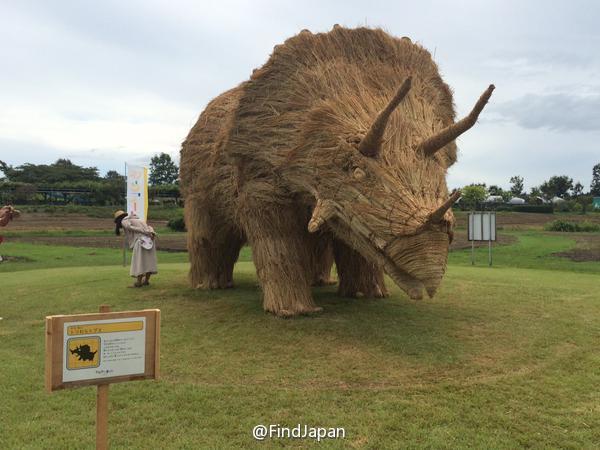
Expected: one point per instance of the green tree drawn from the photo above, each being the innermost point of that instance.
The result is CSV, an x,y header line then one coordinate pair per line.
x,y
534,195
557,186
535,192
495,190
577,189
113,175
63,170
473,195
595,186
516,186
163,170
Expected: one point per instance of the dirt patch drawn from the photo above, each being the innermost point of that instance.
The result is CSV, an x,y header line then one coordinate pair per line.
x,y
177,242
66,222
517,221
169,243
587,248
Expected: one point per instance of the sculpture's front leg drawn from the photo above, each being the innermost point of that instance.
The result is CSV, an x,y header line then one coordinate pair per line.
x,y
281,255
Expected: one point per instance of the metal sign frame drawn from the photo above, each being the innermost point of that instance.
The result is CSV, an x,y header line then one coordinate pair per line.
x,y
481,227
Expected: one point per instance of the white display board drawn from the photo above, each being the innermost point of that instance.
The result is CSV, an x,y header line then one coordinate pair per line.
x,y
482,226
104,348
137,191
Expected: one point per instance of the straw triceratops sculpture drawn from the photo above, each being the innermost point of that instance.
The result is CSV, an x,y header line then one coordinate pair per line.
x,y
341,141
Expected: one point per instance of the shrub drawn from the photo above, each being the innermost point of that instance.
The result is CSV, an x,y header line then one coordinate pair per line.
x,y
176,224
572,227
502,207
543,209
565,206
589,227
473,196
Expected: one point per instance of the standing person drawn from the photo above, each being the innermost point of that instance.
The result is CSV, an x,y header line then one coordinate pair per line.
x,y
141,238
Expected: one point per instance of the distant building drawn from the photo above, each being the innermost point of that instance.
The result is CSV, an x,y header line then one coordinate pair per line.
x,y
538,200
596,202
556,200
516,201
494,199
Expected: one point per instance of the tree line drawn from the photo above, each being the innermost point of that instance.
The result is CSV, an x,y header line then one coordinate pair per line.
x,y
66,182
561,186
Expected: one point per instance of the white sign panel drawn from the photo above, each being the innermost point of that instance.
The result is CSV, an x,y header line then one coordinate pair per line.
x,y
137,191
104,348
482,226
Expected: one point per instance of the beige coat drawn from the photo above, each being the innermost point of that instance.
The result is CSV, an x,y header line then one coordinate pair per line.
x,y
143,261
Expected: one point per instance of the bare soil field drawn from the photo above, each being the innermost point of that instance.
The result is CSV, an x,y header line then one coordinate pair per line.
x,y
517,221
587,248
66,222
170,243
77,222
177,242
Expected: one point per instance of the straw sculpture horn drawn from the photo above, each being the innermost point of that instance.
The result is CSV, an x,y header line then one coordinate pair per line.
x,y
335,150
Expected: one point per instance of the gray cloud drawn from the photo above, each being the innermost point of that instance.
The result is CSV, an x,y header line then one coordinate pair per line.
x,y
559,111
81,75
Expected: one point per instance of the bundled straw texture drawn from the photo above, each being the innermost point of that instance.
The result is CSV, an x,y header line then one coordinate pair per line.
x,y
319,157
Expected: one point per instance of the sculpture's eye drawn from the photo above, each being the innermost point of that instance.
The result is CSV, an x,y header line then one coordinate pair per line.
x,y
358,173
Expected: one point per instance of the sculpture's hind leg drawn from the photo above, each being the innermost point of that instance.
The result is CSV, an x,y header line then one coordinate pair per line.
x,y
321,254
213,245
280,249
357,275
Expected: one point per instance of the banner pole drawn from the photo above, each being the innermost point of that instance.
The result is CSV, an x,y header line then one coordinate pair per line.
x,y
490,239
124,235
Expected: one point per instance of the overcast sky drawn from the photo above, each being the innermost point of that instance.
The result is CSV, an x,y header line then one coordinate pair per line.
x,y
106,82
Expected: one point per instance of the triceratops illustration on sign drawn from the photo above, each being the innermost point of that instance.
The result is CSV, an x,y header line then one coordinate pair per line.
x,y
84,353
337,147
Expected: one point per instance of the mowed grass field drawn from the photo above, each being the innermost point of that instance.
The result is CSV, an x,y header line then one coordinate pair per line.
x,y
503,357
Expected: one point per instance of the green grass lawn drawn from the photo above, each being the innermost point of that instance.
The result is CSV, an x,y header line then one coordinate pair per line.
x,y
504,357
36,256
533,250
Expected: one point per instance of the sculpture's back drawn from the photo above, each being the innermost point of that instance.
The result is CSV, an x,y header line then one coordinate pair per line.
x,y
349,75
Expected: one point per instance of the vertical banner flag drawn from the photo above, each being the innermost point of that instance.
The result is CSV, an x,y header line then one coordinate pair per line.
x,y
137,191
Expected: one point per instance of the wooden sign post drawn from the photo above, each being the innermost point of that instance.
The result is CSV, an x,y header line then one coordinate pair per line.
x,y
102,407
99,349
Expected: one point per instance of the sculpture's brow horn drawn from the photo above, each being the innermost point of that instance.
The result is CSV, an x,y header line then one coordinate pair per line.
x,y
371,144
448,134
324,210
438,214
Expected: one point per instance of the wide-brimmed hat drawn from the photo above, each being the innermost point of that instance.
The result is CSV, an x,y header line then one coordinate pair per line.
x,y
118,213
